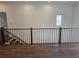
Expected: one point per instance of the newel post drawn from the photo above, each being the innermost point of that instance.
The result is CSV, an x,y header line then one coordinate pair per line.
x,y
31,30
60,30
2,36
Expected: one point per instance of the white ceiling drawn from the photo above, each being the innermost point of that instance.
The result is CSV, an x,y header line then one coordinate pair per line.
x,y
37,2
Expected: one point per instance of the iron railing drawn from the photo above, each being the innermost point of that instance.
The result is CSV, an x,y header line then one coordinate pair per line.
x,y
43,35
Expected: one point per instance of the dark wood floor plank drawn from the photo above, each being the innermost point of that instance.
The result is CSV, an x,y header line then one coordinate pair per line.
x,y
40,51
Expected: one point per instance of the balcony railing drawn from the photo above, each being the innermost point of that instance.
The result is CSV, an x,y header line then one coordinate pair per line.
x,y
40,35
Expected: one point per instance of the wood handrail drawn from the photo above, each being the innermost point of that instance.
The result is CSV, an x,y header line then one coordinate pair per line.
x,y
17,29
34,28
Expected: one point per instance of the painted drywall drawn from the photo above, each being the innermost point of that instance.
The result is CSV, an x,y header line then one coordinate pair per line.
x,y
37,15
76,15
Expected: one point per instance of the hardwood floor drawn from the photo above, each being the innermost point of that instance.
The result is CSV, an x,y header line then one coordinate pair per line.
x,y
40,51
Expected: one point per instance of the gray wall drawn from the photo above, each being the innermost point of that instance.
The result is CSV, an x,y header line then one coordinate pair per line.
x,y
76,15
39,15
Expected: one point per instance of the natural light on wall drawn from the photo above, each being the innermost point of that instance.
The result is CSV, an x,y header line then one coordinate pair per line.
x,y
59,19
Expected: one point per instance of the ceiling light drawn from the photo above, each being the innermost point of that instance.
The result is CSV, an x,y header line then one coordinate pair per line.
x,y
49,1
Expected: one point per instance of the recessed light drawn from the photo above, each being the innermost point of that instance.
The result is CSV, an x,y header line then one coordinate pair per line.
x,y
49,1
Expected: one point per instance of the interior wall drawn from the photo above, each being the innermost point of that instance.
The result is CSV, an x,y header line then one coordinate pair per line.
x,y
38,15
76,15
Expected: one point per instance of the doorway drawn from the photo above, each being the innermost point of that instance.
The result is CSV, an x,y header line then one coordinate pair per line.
x,y
3,23
3,20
